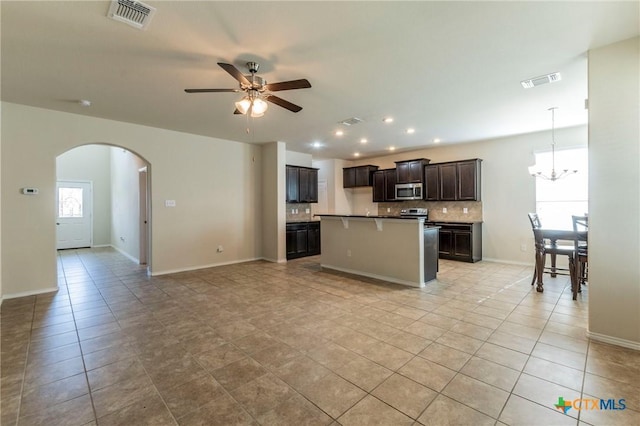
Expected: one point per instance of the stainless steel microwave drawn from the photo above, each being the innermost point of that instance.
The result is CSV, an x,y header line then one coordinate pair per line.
x,y
409,191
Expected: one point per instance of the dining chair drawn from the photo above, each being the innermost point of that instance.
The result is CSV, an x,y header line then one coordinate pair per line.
x,y
544,247
580,224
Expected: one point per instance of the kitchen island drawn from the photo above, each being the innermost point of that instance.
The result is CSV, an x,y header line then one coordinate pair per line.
x,y
397,249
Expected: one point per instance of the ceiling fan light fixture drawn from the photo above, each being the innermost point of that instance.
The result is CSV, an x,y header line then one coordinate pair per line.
x,y
243,105
259,107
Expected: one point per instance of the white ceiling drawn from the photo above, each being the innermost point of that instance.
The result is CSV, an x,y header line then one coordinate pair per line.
x,y
451,70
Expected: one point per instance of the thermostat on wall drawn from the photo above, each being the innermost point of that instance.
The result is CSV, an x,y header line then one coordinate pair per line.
x,y
30,191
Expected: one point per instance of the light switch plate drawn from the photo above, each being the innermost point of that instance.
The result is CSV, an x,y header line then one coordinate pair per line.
x,y
169,203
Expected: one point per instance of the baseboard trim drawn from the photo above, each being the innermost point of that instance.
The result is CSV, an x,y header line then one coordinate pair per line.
x,y
375,276
125,254
29,293
508,262
195,268
613,340
268,259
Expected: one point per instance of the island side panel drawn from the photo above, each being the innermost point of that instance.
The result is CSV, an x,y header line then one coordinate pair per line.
x,y
395,253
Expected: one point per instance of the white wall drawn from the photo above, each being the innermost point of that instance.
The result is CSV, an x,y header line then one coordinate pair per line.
x,y
125,201
299,159
216,185
508,191
273,213
1,291
614,193
92,163
338,200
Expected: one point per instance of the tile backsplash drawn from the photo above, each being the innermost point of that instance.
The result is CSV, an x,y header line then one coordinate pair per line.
x,y
455,210
297,212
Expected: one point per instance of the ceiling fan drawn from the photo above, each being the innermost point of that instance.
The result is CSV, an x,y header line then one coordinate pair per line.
x,y
257,90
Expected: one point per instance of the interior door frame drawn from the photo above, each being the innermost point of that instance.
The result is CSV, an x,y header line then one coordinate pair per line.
x,y
145,217
90,204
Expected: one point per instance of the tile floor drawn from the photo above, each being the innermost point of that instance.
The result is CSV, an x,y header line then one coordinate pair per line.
x,y
277,344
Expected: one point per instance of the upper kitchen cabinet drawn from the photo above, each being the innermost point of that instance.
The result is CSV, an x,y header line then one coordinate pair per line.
x,y
453,181
432,182
469,180
384,185
353,177
448,177
411,171
302,184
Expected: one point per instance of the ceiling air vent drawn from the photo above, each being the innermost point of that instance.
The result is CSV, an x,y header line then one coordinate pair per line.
x,y
351,121
133,13
543,79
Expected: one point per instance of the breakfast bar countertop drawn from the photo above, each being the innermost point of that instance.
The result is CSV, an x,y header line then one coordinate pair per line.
x,y
371,216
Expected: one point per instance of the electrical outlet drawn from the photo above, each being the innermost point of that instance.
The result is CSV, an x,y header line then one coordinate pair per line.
x,y
169,203
444,210
307,211
388,209
348,253
465,210
220,249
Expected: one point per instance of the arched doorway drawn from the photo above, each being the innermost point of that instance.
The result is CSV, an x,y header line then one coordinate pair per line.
x,y
116,195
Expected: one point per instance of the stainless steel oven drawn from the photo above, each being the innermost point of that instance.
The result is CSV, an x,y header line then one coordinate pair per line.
x,y
409,191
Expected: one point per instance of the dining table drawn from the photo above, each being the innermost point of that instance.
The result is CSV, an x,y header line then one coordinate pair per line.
x,y
553,236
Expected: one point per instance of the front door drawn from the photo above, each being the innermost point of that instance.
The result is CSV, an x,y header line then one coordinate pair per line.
x,y
73,214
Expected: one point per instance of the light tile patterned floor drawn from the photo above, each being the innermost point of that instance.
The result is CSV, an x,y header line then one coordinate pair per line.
x,y
277,344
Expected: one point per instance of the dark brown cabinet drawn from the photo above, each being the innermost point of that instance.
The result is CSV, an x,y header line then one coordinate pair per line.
x,y
448,181
384,185
292,184
432,183
353,177
303,239
469,180
453,181
411,171
460,241
302,184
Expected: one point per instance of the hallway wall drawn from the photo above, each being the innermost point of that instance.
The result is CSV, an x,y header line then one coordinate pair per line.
x,y
92,163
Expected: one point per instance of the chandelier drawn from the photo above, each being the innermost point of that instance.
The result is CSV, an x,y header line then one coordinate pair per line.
x,y
553,175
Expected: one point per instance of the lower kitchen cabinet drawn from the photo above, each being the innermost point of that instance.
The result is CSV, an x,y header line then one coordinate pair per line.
x,y
303,239
460,241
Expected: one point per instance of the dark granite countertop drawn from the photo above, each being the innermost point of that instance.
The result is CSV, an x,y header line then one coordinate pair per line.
x,y
453,222
428,221
371,216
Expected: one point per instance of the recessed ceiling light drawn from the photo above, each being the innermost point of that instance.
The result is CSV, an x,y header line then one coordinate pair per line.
x,y
363,140
411,131
388,120
392,148
339,133
84,102
436,140
356,154
316,144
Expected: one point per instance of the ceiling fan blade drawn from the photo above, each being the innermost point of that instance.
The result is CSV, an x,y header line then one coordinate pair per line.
x,y
210,90
235,73
284,104
289,85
